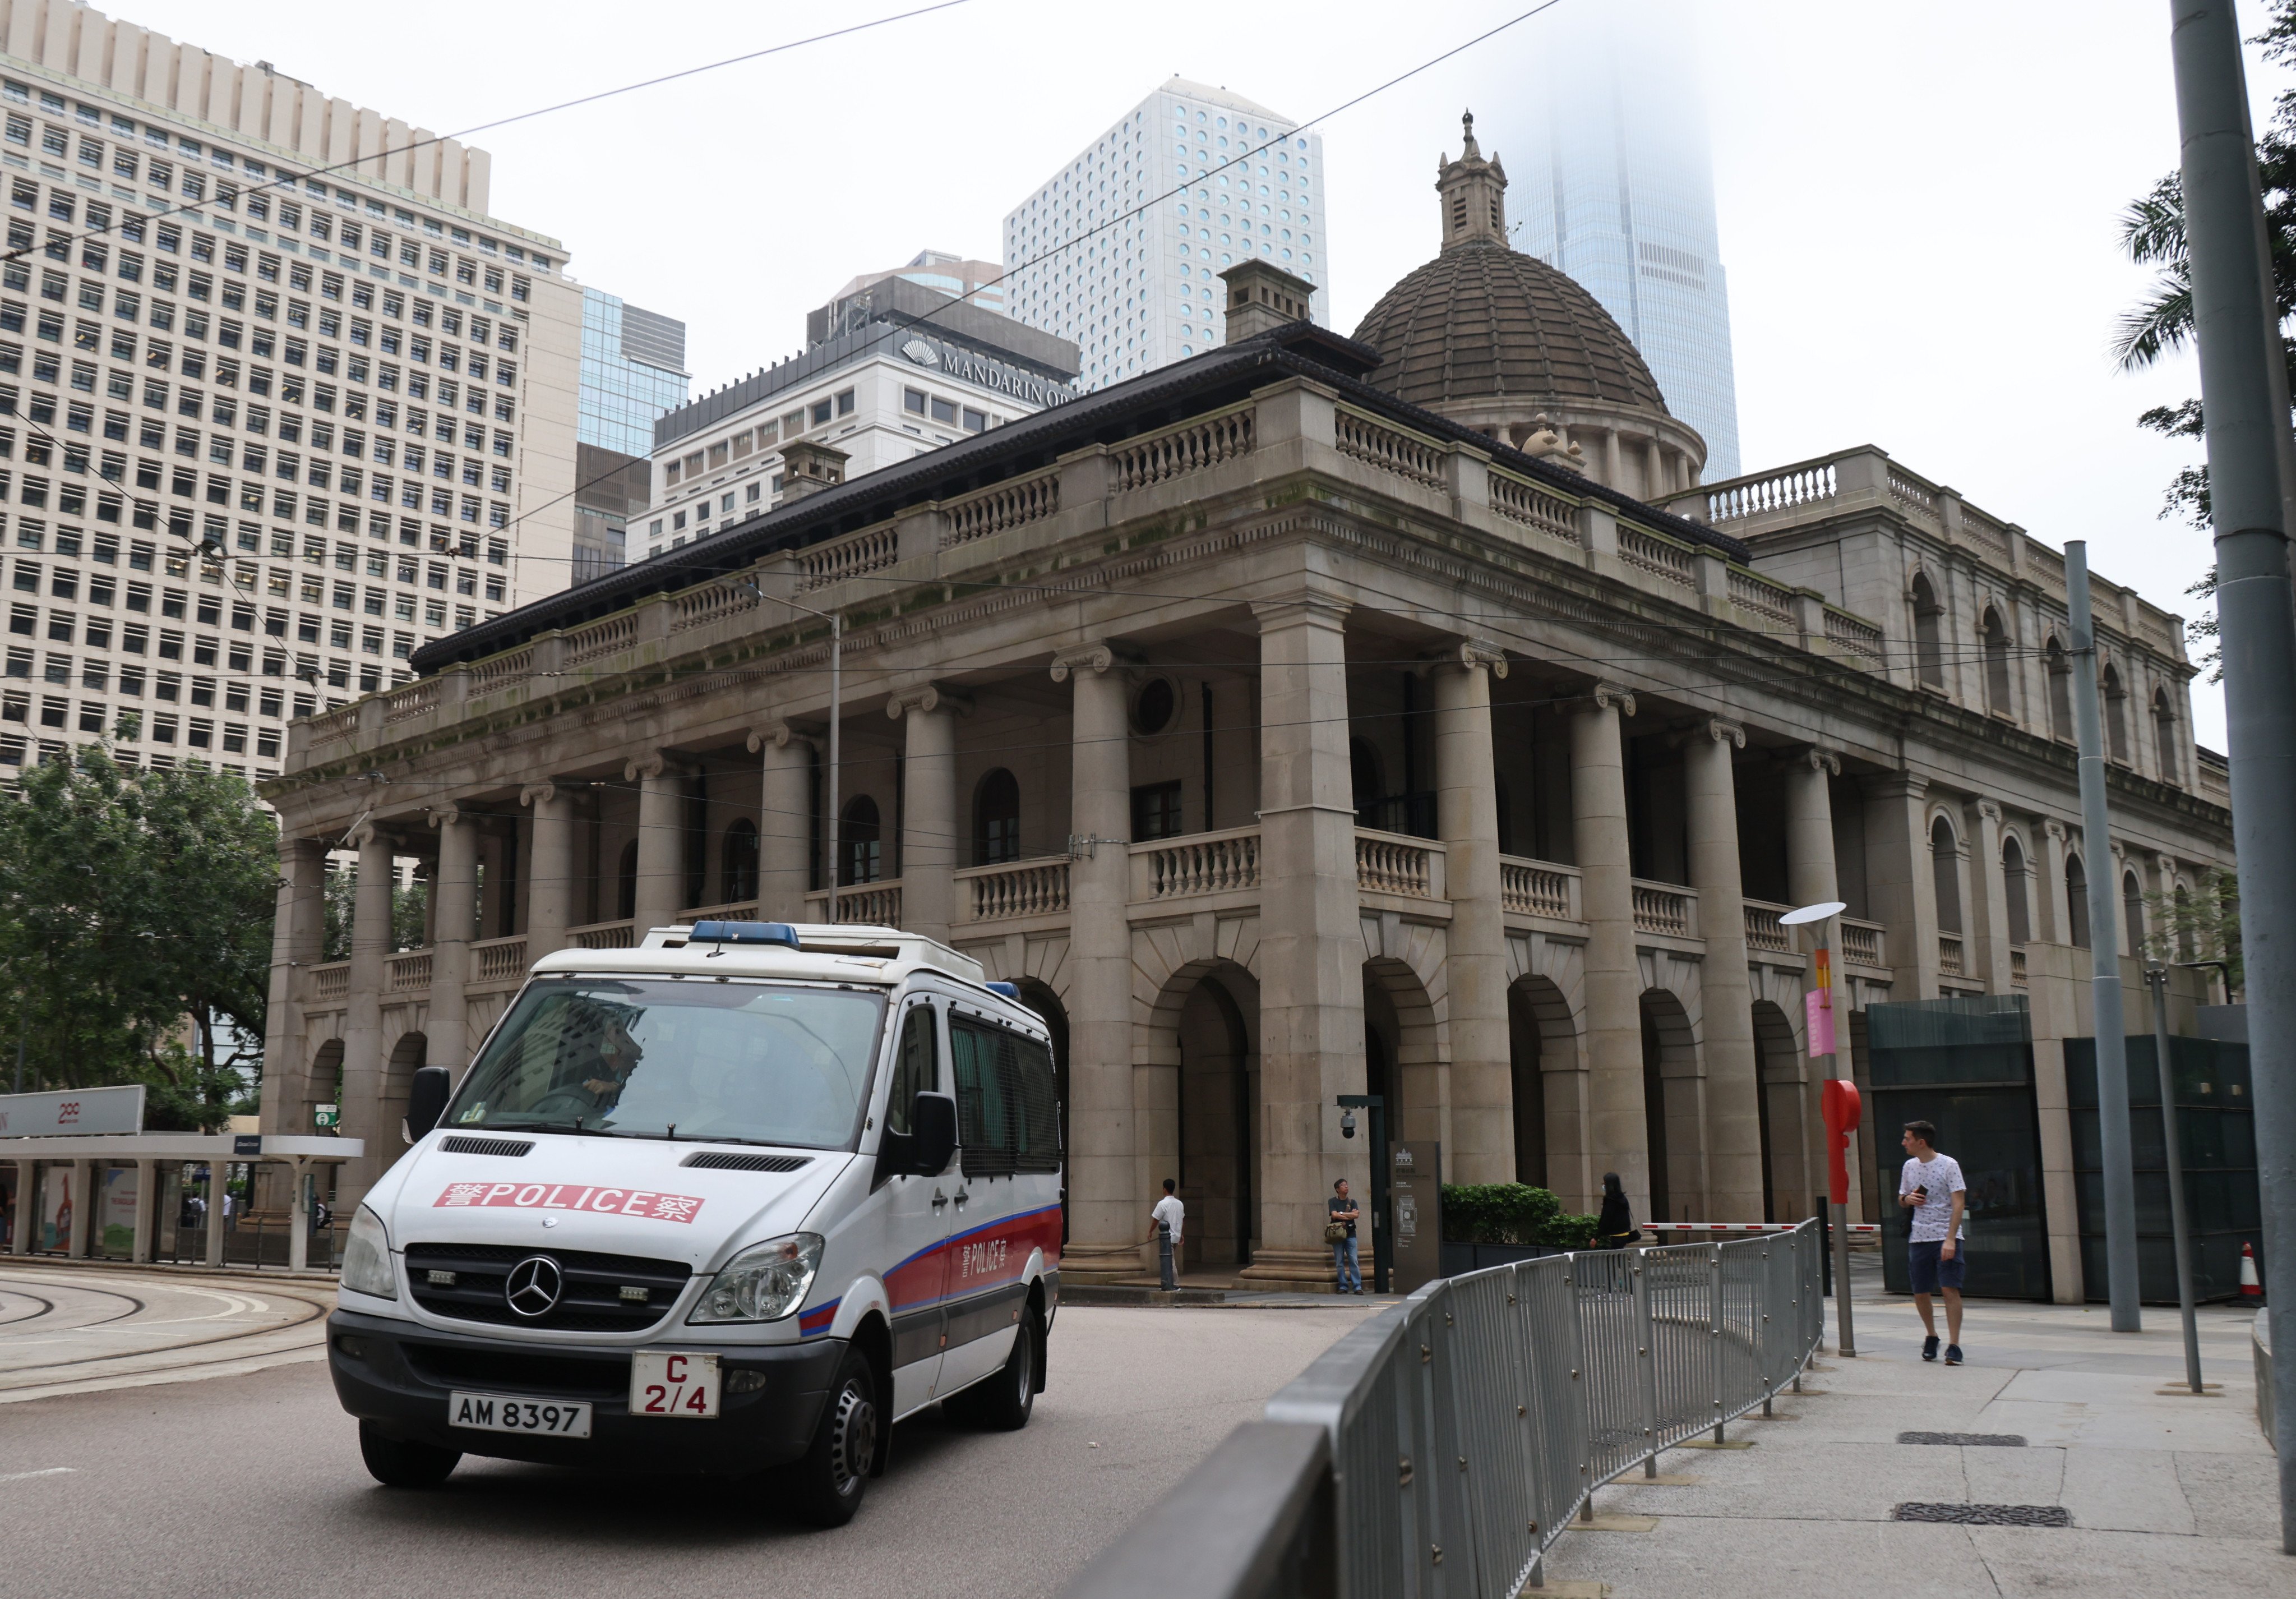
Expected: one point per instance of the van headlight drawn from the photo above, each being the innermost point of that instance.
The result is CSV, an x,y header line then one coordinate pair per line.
x,y
764,1282
366,1257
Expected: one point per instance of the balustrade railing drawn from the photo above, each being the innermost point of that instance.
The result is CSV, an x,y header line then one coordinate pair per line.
x,y
1762,597
732,911
339,723
1949,955
1375,444
1765,932
859,904
1788,490
1199,863
502,671
1854,633
1006,506
872,549
1861,943
607,636
1662,559
409,973
603,935
2019,976
1914,495
498,961
711,602
417,698
1192,448
1539,888
1662,908
1386,863
1518,500
331,981
1014,888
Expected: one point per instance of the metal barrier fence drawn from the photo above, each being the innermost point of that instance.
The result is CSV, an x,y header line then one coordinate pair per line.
x,y
1462,1429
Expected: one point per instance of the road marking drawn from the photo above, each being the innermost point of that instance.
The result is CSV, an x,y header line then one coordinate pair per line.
x,y
49,1472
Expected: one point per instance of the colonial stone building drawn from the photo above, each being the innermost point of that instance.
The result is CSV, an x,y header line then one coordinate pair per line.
x,y
1286,730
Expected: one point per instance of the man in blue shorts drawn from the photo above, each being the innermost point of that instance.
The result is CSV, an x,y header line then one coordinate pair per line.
x,y
1931,1188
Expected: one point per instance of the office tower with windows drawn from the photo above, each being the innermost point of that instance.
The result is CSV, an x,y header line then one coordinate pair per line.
x,y
1121,249
976,282
279,401
633,371
1603,133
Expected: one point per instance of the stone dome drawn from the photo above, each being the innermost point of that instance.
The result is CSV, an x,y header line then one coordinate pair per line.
x,y
1482,321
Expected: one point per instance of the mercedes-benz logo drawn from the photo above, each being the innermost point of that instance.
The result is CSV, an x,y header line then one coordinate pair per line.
x,y
533,1285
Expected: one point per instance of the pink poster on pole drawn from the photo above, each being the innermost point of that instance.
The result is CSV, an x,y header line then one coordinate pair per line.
x,y
1821,1022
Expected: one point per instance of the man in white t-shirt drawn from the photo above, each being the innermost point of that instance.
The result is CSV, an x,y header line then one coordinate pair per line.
x,y
1164,1224
1931,1187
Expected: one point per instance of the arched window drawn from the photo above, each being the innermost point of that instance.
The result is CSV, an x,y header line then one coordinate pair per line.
x,y
2132,912
2060,693
2013,876
1945,872
996,818
2184,931
1928,650
741,862
626,881
2116,713
860,838
1364,771
2164,736
1997,665
2077,900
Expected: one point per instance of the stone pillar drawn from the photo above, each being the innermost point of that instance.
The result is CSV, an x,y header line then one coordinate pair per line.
x,y
219,1191
298,1215
2054,906
1899,884
550,877
784,822
1618,1135
930,828
661,835
1107,1198
1735,1182
362,1100
1988,896
82,1215
1481,1147
454,889
1311,1048
1811,879
298,940
26,1217
147,1208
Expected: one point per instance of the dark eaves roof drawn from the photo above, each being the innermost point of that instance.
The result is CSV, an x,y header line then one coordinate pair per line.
x,y
1155,400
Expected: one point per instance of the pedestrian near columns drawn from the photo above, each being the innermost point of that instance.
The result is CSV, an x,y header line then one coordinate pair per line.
x,y
1165,1223
1340,1230
1931,1186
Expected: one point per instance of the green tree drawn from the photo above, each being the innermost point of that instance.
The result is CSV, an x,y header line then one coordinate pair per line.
x,y
409,909
2203,924
2153,234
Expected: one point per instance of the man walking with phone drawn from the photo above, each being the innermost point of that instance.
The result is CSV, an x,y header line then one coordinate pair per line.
x,y
1931,1187
1165,1222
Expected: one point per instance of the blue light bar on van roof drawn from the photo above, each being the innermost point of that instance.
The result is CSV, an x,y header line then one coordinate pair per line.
x,y
1011,990
744,932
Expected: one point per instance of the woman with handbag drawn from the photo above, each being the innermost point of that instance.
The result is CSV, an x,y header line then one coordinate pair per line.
x,y
1340,1232
1615,1228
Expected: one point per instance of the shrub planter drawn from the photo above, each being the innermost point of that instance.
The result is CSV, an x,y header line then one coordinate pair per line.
x,y
1458,1258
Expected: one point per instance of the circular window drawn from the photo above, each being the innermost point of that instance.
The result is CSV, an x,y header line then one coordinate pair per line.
x,y
1153,710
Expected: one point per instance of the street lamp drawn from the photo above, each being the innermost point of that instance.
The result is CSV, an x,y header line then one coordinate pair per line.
x,y
1840,1103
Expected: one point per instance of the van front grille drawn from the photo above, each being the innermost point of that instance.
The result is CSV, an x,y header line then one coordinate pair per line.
x,y
505,1371
469,1281
721,1160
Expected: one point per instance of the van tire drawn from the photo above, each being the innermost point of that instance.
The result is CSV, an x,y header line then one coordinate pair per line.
x,y
1003,1402
397,1463
825,1483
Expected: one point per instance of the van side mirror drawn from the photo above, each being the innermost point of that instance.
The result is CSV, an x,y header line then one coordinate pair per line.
x,y
933,1134
426,1100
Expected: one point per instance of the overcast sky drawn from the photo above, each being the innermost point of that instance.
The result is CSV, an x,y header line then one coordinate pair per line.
x,y
1917,204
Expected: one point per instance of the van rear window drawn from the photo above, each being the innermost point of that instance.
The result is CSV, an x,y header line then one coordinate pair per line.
x,y
1007,1106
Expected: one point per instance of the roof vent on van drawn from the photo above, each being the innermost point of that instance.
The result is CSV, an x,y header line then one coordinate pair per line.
x,y
461,1145
716,1160
743,932
1011,990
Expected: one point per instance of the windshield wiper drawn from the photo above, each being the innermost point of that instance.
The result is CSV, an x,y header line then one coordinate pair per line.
x,y
573,1126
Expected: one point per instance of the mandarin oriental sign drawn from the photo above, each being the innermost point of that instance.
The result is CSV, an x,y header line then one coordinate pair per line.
x,y
968,366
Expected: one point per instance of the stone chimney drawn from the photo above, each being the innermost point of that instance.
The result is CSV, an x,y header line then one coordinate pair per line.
x,y
1474,194
808,467
1261,296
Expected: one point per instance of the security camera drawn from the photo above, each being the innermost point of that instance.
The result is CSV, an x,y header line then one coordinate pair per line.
x,y
1347,1124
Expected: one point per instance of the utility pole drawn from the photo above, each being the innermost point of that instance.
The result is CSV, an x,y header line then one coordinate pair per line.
x,y
2156,978
2244,401
2109,1026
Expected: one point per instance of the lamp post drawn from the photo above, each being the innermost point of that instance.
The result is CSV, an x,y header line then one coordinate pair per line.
x,y
2156,978
1841,1108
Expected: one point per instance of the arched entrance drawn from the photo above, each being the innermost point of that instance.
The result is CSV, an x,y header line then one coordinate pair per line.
x,y
406,1058
1673,1111
1786,1192
1402,1062
1217,1115
1038,996
1544,1053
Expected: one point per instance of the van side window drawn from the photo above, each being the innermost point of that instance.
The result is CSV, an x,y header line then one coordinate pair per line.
x,y
1006,1115
915,1069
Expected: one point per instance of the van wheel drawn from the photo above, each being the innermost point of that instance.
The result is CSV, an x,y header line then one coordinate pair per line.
x,y
826,1482
1002,1404
396,1463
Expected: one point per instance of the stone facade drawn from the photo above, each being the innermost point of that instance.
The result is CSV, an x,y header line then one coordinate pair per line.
x,y
1281,741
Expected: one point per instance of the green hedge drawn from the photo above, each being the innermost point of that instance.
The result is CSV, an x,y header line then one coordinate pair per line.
x,y
1511,1212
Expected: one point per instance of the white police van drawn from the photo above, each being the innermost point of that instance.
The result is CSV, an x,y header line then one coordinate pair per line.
x,y
739,1198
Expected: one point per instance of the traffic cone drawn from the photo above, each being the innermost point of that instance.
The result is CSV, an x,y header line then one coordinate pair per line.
x,y
2251,1290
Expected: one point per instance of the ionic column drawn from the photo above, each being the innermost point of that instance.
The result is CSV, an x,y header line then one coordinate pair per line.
x,y
1811,879
661,885
929,823
1735,1182
298,940
1105,1186
362,1101
550,876
1617,1133
1480,1147
454,888
1311,940
784,822
1989,895
1898,881
2055,906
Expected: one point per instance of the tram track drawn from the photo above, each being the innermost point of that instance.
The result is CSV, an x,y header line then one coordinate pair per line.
x,y
69,1330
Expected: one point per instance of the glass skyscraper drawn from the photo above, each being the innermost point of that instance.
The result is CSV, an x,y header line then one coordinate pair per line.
x,y
633,371
1603,135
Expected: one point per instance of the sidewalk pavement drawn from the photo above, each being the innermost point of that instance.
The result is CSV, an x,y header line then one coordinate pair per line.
x,y
2166,1494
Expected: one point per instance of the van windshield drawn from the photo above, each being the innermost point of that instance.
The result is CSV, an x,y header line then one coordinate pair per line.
x,y
654,1058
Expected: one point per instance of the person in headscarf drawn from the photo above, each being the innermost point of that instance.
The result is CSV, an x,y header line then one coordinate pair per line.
x,y
1615,1228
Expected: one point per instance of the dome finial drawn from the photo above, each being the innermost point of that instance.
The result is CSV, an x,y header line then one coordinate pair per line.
x,y
1467,123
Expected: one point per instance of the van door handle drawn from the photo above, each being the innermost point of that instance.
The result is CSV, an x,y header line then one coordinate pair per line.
x,y
939,1198
962,1196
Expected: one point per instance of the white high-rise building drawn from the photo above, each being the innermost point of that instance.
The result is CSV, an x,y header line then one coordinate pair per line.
x,y
1190,181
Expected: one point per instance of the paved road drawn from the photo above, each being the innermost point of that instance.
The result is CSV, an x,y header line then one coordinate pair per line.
x,y
76,1329
252,1486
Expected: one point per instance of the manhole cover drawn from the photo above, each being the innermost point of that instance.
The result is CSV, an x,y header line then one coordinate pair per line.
x,y
1988,1515
1989,1440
